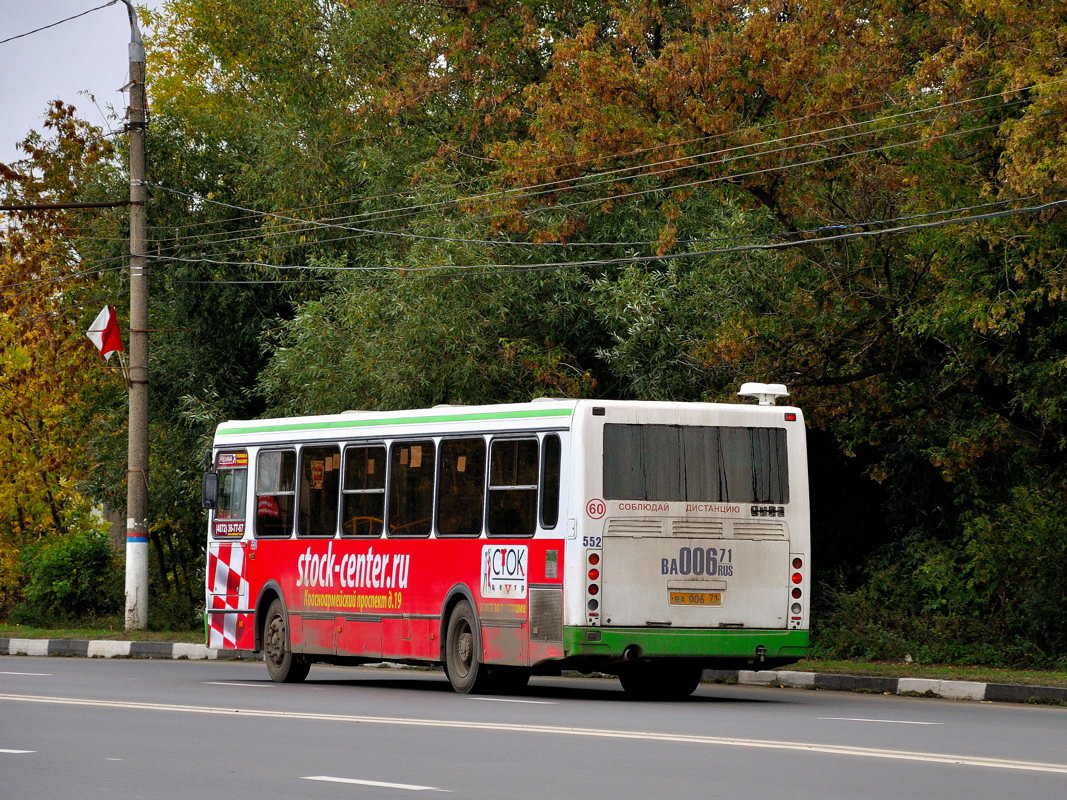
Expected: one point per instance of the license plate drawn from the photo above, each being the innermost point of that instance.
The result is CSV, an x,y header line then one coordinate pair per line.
x,y
696,598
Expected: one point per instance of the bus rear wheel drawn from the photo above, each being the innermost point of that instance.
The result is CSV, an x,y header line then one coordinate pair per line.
x,y
283,665
660,680
463,651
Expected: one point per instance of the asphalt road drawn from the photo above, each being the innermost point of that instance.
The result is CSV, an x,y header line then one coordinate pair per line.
x,y
89,728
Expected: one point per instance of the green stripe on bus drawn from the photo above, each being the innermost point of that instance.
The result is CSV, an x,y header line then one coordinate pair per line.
x,y
691,643
357,422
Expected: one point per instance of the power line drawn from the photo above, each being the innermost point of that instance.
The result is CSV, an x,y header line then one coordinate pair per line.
x,y
64,206
336,223
500,268
54,24
593,178
311,224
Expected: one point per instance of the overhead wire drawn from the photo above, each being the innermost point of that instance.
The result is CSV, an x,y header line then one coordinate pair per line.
x,y
258,234
498,268
733,177
408,210
54,24
307,225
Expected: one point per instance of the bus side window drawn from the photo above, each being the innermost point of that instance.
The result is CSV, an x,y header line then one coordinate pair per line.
x,y
461,487
364,491
275,484
411,468
550,468
513,487
320,473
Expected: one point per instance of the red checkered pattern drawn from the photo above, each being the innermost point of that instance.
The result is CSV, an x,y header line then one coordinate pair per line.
x,y
227,591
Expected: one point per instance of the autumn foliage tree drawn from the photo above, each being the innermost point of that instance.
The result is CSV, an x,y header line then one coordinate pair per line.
x,y
54,383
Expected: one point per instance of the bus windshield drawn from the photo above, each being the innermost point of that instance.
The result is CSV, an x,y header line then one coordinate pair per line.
x,y
695,463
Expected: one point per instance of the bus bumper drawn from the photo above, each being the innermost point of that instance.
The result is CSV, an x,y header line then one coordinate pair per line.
x,y
733,646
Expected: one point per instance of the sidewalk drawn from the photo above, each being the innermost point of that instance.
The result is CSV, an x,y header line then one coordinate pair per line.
x,y
921,687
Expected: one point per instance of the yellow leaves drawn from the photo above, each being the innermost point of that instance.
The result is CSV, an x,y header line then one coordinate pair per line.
x,y
15,359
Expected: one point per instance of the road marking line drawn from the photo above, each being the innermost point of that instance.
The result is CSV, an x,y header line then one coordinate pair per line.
x,y
892,721
510,700
263,685
36,674
380,784
17,752
557,730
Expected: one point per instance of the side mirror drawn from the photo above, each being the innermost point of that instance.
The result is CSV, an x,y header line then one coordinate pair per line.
x,y
209,495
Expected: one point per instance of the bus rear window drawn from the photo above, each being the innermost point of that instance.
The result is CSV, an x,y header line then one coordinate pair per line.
x,y
695,463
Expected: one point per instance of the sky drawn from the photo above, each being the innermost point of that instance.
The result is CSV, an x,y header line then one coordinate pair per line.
x,y
87,55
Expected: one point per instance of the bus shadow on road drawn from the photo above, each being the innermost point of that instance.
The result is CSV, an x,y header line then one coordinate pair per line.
x,y
547,689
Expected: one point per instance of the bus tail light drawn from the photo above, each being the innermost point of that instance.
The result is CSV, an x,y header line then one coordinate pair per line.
x,y
592,587
796,606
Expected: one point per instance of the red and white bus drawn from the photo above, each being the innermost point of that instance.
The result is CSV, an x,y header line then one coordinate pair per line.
x,y
650,540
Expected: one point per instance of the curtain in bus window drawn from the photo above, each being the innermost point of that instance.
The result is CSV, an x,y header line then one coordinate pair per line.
x,y
643,462
275,484
701,462
461,487
695,463
411,469
320,471
770,480
513,487
364,491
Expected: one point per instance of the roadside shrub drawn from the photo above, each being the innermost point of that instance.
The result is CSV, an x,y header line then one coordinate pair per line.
x,y
993,596
71,577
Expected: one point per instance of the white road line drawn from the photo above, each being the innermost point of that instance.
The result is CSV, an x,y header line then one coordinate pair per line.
x,y
558,730
263,685
511,700
890,721
380,784
35,674
16,752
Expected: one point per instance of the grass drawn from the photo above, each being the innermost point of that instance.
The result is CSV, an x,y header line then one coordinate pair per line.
x,y
108,630
942,672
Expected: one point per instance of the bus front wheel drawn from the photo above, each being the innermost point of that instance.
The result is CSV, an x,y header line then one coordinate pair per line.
x,y
283,665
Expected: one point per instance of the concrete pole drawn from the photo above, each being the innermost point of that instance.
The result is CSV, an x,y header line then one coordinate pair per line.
x,y
137,469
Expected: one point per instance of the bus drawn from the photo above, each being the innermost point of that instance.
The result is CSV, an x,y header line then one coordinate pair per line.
x,y
649,540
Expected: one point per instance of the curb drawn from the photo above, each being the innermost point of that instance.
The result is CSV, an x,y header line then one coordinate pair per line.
x,y
108,649
912,687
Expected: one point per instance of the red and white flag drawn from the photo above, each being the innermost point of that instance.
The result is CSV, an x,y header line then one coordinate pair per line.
x,y
104,332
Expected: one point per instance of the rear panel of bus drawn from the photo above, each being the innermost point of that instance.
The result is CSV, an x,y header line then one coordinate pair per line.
x,y
692,537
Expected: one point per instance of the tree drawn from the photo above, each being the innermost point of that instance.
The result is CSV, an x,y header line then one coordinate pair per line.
x,y
466,202
54,383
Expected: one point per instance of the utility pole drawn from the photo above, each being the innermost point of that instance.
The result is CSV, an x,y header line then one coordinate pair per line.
x,y
137,465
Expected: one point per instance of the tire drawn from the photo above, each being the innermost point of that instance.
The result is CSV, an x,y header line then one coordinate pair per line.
x,y
658,680
283,665
463,651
